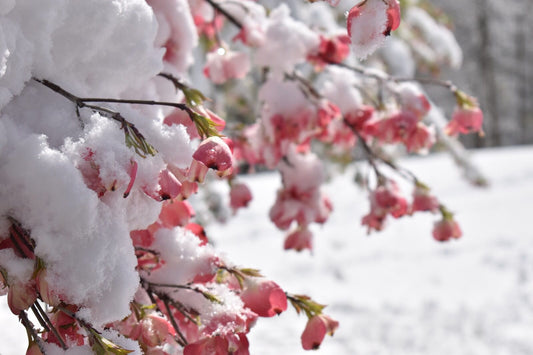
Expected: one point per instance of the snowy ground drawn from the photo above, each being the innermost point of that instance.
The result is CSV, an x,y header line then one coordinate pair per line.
x,y
396,292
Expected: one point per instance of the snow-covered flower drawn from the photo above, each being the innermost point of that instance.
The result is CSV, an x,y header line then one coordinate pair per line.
x,y
370,22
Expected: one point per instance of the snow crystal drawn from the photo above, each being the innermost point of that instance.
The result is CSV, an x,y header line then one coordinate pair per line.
x,y
367,27
304,171
39,110
252,16
15,60
282,97
339,88
288,42
18,269
81,45
176,33
183,257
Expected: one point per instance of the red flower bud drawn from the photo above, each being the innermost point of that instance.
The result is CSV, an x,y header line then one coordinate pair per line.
x,y
21,296
446,229
316,329
264,297
214,153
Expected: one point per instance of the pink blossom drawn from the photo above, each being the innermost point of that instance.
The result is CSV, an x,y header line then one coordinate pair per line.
x,y
208,27
393,16
331,50
91,172
175,213
304,207
413,99
47,294
231,343
264,297
465,120
67,328
142,238
316,329
388,197
240,196
216,345
129,327
155,330
384,200
133,175
446,229
374,220
223,65
326,113
21,296
215,154
395,128
357,119
421,138
197,173
423,200
170,187
299,239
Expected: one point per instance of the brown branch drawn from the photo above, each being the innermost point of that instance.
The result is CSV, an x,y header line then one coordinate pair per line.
x,y
50,325
225,13
31,330
174,324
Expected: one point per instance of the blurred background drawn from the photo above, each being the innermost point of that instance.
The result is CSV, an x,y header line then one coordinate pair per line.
x,y
496,38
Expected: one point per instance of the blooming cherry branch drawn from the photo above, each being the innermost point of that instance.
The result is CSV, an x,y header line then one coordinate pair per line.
x,y
75,198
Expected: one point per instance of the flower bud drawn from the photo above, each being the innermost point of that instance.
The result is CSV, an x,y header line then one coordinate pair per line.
x,y
214,153
21,296
446,229
264,297
465,120
300,239
316,329
47,295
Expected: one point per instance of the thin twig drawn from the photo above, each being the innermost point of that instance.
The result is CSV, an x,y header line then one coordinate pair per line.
x,y
369,153
22,235
182,287
174,324
39,318
226,14
50,325
75,317
185,312
177,83
29,327
180,340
